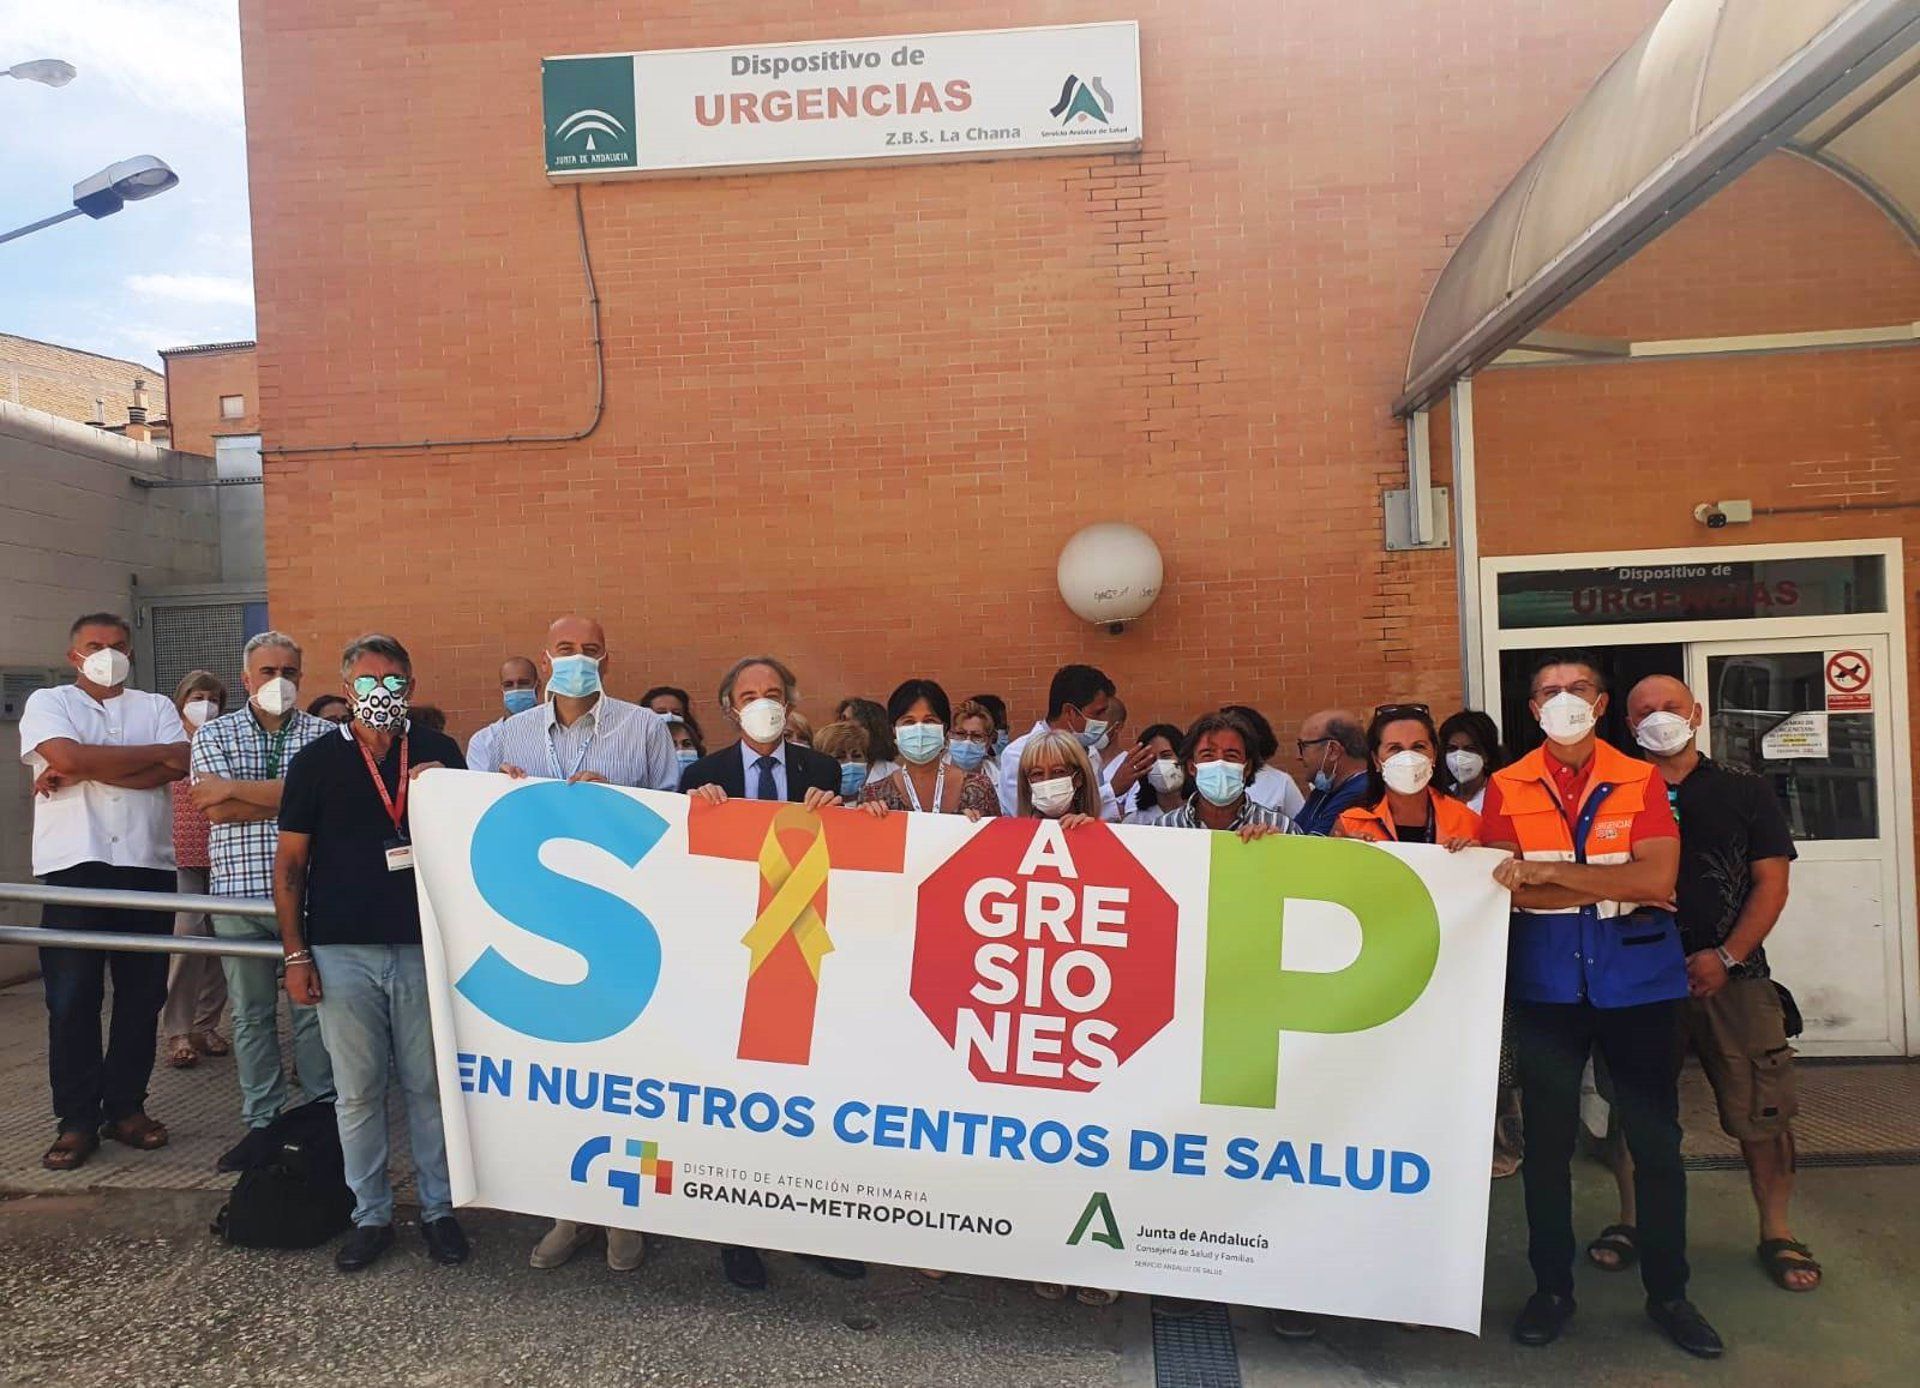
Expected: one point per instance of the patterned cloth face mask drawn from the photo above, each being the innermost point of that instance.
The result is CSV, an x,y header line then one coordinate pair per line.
x,y
380,703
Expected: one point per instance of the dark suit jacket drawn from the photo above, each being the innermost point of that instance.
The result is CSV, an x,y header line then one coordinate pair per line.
x,y
806,769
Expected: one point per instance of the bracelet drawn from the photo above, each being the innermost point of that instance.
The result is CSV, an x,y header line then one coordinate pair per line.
x,y
302,956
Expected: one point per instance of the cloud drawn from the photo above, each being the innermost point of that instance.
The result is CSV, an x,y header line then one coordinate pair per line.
x,y
193,289
179,56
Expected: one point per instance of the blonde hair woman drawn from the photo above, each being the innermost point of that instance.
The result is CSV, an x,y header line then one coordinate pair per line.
x,y
1056,780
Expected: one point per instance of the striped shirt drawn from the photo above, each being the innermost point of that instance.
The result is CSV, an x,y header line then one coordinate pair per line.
x,y
1251,811
236,747
623,742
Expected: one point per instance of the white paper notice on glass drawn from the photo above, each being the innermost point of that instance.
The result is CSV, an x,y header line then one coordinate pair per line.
x,y
1798,735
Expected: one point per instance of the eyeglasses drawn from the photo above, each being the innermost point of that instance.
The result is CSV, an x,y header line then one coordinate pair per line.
x,y
364,685
1301,747
1402,711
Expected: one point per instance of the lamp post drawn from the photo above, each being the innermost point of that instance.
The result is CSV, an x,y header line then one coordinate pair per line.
x,y
48,72
106,192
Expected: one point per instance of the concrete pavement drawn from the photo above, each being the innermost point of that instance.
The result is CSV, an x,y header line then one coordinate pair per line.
x,y
109,1277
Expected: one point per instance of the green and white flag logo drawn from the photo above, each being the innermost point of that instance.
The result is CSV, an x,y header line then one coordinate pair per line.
x,y
588,104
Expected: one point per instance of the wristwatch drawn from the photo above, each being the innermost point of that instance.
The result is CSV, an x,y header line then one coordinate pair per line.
x,y
1727,961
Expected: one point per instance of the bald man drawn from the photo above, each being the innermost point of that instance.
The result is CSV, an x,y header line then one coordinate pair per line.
x,y
1736,852
1333,761
582,734
519,691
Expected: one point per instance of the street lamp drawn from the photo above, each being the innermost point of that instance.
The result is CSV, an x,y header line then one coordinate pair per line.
x,y
48,72
104,194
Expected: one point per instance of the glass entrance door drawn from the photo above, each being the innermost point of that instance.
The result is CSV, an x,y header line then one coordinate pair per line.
x,y
1812,716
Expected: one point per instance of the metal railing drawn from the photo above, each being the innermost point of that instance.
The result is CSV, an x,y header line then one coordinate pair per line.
x,y
40,936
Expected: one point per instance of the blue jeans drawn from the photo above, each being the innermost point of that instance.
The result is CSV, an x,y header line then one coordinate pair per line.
x,y
253,986
373,1005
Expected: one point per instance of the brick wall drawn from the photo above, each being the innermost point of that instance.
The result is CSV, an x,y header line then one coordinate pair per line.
x,y
852,415
66,382
196,381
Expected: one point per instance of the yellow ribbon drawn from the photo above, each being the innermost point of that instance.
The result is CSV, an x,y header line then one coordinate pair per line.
x,y
794,886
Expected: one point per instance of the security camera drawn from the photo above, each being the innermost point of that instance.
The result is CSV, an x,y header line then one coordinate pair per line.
x,y
1710,515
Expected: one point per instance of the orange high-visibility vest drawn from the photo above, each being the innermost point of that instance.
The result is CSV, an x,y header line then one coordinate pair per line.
x,y
1612,954
1374,823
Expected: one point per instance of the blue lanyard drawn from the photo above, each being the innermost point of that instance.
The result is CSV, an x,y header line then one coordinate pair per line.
x,y
553,757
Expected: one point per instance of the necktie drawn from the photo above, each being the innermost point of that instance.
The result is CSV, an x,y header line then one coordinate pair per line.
x,y
765,789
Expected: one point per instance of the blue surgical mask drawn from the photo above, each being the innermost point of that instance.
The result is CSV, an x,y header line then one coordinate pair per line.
x,y
1094,735
966,755
517,700
1221,782
574,676
920,743
1000,741
687,755
1323,778
853,775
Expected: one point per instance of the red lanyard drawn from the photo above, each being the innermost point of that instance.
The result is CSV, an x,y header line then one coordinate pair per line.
x,y
396,809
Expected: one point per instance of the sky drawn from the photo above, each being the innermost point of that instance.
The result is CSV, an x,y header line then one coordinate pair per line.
x,y
155,77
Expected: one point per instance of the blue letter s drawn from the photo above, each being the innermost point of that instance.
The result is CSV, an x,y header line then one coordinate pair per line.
x,y
619,943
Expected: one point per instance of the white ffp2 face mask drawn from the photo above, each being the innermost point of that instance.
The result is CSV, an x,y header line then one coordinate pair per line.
x,y
1053,797
1566,718
764,720
197,711
1166,774
1466,766
108,668
1407,772
276,696
1663,733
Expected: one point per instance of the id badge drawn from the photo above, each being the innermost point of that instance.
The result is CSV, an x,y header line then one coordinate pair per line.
x,y
399,855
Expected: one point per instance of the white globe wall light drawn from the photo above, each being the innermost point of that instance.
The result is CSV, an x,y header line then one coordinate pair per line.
x,y
1110,574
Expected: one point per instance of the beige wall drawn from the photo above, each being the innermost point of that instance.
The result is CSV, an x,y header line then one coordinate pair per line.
x,y
75,536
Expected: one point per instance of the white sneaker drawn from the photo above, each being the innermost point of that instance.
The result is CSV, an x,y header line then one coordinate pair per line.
x,y
560,1243
625,1249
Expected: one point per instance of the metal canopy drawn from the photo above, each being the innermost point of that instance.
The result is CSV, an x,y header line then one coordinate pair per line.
x,y
1709,89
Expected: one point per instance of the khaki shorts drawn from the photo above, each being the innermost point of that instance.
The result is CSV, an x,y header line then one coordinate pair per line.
x,y
1741,1039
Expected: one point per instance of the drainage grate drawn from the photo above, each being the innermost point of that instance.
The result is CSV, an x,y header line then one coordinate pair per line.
x,y
1193,1346
1808,1160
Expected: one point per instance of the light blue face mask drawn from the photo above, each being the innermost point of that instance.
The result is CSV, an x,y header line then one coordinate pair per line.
x,y
853,776
966,755
687,755
920,743
1221,782
574,676
1000,741
517,700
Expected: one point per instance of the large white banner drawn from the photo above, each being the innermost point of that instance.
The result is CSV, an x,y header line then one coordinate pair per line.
x,y
1056,90
1155,1060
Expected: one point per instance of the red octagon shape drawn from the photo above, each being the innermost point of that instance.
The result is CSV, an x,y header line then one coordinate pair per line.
x,y
1052,977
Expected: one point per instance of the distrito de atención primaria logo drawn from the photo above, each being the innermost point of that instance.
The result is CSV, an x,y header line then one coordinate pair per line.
x,y
642,1164
1082,101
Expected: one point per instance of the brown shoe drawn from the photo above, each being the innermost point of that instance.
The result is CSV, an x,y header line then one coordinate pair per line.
x,y
211,1042
70,1151
137,1130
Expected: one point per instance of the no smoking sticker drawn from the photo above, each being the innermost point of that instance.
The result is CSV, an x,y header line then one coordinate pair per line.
x,y
1849,682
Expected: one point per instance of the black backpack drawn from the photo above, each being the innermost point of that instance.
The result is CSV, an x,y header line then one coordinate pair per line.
x,y
296,1196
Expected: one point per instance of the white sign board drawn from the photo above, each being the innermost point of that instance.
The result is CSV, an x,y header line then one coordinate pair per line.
x,y
1056,90
1797,735
1151,1059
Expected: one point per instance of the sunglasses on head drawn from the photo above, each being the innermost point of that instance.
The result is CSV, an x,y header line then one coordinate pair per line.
x,y
364,685
1402,711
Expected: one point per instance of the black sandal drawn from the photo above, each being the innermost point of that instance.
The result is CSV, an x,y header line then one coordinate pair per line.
x,y
1773,1257
1622,1241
